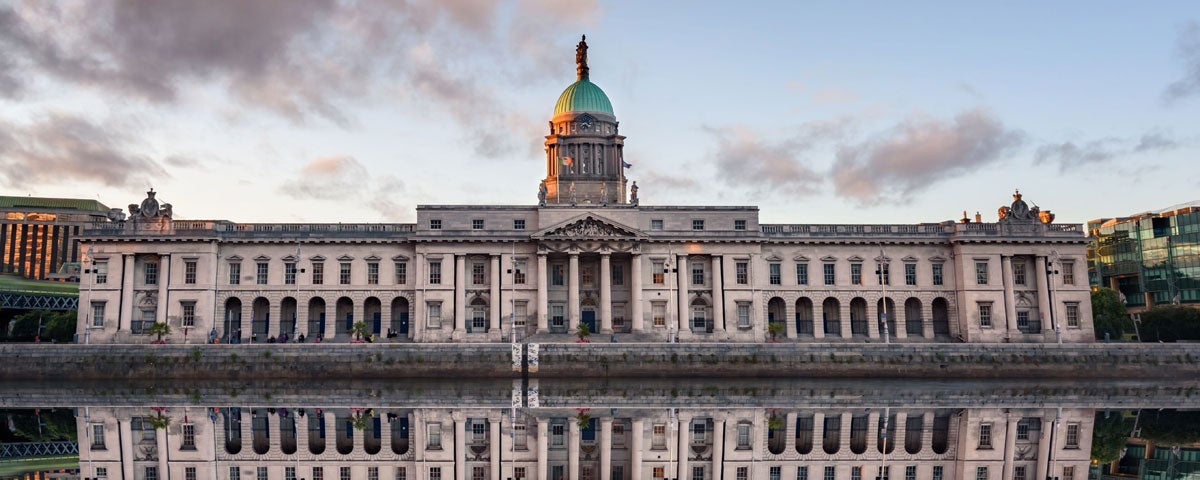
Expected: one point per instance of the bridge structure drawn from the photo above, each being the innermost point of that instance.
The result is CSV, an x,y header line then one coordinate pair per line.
x,y
17,300
10,451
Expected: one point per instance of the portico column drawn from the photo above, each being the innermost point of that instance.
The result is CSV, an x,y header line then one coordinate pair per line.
x,y
494,443
635,277
573,295
606,447
416,324
1010,307
460,447
126,318
542,448
573,449
605,295
718,456
1043,294
635,452
494,302
718,293
164,278
543,302
460,294
682,452
1043,455
1010,445
681,273
126,429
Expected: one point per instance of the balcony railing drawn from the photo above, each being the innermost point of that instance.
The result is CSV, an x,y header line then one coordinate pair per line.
x,y
251,230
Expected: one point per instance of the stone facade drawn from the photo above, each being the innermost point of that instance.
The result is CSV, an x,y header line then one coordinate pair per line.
x,y
260,442
592,255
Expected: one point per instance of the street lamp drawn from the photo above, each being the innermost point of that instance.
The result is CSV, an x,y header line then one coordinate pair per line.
x,y
883,273
671,327
1052,263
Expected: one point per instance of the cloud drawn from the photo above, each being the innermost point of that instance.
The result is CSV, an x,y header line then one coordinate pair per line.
x,y
1070,155
300,59
344,179
60,148
918,153
744,159
1188,49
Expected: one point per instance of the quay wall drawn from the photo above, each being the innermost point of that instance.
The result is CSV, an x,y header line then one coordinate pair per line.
x,y
572,360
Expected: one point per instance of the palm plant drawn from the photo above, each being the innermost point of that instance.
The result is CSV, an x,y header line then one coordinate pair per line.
x,y
774,329
159,329
360,331
583,332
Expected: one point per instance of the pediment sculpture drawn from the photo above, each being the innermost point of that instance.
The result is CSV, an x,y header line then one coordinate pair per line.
x,y
587,228
149,209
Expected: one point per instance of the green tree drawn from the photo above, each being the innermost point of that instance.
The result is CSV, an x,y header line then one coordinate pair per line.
x,y
1168,323
583,419
582,331
360,331
54,325
1110,435
774,329
1109,315
1171,427
158,329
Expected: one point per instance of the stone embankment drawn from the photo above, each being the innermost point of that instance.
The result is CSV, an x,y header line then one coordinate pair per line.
x,y
571,360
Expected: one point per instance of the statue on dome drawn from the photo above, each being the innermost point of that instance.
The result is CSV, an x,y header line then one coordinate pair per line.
x,y
149,208
581,65
604,193
633,199
542,194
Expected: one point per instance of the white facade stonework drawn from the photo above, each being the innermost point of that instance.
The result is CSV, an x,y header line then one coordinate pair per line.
x,y
589,253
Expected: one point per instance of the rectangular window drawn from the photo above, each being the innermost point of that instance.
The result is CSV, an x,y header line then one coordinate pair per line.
x,y
1023,429
618,275
289,473
343,473
262,473
742,473
739,224
189,272
434,431
1068,473
659,436
699,317
557,434
910,274
1018,273
150,271
189,473
910,472
697,473
937,274
520,312
742,276
189,437
477,473
401,269
434,312
520,437
235,473
697,273
802,472
981,473
519,224
558,316
519,272
856,274
855,473
743,435
1019,472
318,473
829,473
372,273
985,435
101,270
656,224
1023,320
98,437
402,473
938,473
774,472
477,273
985,314
435,272
801,274
1072,435
289,273
618,472
1068,272
152,473
1072,314
435,473
774,275
477,224
147,319
883,273
830,274
981,273
318,277
435,224
558,275
260,273
98,314
659,472
188,309
743,314
344,273
587,275
658,311
659,272
697,224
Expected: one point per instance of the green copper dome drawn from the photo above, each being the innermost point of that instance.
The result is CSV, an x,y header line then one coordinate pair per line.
x,y
583,96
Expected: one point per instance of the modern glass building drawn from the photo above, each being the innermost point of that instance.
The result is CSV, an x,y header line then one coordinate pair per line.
x,y
1152,258
38,235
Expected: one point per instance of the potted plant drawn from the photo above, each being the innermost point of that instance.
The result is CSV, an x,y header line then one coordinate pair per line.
x,y
583,332
360,332
159,329
774,329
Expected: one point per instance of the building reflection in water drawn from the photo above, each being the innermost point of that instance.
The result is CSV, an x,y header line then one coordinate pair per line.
x,y
337,443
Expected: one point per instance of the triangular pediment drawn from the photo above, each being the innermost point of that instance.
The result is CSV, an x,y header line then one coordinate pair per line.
x,y
909,259
937,259
855,258
589,226
800,258
829,258
773,258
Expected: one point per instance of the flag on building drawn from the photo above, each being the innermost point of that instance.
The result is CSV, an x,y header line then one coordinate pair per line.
x,y
625,164
567,161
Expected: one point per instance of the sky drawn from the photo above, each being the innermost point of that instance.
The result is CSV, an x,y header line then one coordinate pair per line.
x,y
816,112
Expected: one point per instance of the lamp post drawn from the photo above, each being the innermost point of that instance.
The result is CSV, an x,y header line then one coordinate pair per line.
x,y
884,276
1052,263
667,270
